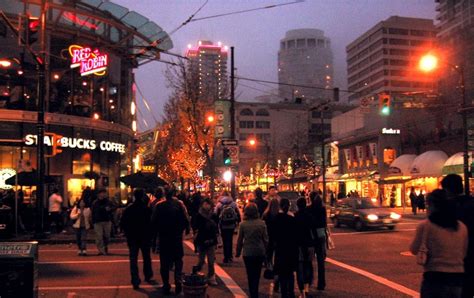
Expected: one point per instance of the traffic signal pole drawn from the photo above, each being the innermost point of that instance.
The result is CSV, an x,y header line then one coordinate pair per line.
x,y
232,118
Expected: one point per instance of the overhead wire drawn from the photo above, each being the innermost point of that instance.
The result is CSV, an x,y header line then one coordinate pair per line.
x,y
145,102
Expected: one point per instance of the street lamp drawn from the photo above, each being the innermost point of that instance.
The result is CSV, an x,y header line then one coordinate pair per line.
x,y
5,63
429,63
252,142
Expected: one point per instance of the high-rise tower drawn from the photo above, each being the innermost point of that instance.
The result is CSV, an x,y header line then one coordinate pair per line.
x,y
305,58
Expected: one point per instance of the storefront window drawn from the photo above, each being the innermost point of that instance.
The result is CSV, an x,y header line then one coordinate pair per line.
x,y
389,155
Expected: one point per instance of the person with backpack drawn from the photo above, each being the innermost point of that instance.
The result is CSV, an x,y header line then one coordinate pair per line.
x,y
229,217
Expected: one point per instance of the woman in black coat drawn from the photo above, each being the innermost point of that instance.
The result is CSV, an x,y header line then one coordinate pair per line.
x,y
286,249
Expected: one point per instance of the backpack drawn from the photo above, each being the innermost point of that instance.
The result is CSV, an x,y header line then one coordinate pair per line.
x,y
228,217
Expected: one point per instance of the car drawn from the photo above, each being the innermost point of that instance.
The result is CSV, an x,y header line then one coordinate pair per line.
x,y
362,213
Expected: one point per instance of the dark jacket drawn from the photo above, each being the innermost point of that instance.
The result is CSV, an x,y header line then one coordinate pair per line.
x,y
135,223
465,213
206,228
304,231
271,230
286,250
261,205
102,210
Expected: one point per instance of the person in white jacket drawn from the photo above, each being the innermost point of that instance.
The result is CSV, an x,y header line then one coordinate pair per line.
x,y
81,214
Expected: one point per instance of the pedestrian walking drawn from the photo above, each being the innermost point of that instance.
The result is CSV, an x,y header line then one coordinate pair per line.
x,y
102,211
170,220
135,223
196,199
413,200
205,231
452,183
251,244
55,209
269,217
420,201
159,196
286,250
440,244
273,194
81,214
305,241
260,201
319,216
229,217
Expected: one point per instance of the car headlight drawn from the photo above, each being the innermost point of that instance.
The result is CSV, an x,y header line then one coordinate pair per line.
x,y
394,215
372,217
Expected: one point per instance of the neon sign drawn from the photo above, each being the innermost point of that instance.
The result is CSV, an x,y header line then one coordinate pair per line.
x,y
89,61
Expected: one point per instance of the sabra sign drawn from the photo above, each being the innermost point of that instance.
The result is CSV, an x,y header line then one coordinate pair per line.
x,y
89,61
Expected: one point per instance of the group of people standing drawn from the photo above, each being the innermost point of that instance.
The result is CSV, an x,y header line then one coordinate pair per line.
x,y
444,242
417,201
285,243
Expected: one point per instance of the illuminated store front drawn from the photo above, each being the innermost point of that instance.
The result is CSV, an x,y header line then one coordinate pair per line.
x,y
92,48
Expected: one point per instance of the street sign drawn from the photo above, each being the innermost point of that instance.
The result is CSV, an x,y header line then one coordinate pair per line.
x,y
234,154
229,142
222,113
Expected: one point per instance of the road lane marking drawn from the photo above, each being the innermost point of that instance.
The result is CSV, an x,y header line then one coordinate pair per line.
x,y
226,279
79,288
379,279
371,232
407,254
91,262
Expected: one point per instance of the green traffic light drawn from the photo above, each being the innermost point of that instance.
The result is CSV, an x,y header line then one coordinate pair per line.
x,y
227,161
385,111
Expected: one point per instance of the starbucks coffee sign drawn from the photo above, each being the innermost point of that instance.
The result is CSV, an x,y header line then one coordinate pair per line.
x,y
79,143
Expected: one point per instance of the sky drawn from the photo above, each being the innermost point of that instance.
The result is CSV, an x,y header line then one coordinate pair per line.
x,y
256,36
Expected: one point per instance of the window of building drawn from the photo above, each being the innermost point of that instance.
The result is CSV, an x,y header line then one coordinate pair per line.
x,y
398,73
389,155
262,112
419,42
246,124
282,45
262,124
317,114
399,84
311,43
398,31
291,44
246,112
300,43
399,52
321,43
263,138
419,33
397,62
397,41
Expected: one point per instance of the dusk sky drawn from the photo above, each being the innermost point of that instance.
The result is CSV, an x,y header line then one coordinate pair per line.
x,y
256,35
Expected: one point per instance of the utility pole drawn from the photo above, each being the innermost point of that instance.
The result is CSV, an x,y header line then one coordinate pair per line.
x,y
40,125
232,117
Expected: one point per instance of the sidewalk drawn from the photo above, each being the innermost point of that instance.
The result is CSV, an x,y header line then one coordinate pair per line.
x,y
61,238
406,213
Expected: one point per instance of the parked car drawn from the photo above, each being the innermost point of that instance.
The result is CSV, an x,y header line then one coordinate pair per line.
x,y
362,213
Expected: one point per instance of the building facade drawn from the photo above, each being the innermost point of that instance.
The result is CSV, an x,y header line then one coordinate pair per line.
x,y
305,58
208,67
92,50
385,58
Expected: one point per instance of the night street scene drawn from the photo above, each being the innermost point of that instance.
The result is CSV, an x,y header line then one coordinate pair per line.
x,y
228,148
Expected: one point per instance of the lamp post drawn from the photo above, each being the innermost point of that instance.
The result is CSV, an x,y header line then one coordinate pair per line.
x,y
429,63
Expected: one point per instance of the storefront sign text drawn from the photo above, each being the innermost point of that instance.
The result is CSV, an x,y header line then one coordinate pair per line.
x,y
89,61
79,143
390,131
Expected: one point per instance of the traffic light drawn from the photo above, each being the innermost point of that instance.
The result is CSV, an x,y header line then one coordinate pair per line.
x,y
226,156
32,30
384,104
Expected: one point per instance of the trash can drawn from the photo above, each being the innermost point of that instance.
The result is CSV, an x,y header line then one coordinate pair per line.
x,y
6,222
194,285
18,269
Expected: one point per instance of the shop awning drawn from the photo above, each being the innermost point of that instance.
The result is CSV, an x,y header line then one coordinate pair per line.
x,y
296,179
429,164
402,164
455,164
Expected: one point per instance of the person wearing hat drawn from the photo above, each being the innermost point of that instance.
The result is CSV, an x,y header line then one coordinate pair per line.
x,y
102,210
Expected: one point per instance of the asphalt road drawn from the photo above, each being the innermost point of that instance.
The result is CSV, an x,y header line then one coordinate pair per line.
x,y
364,264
